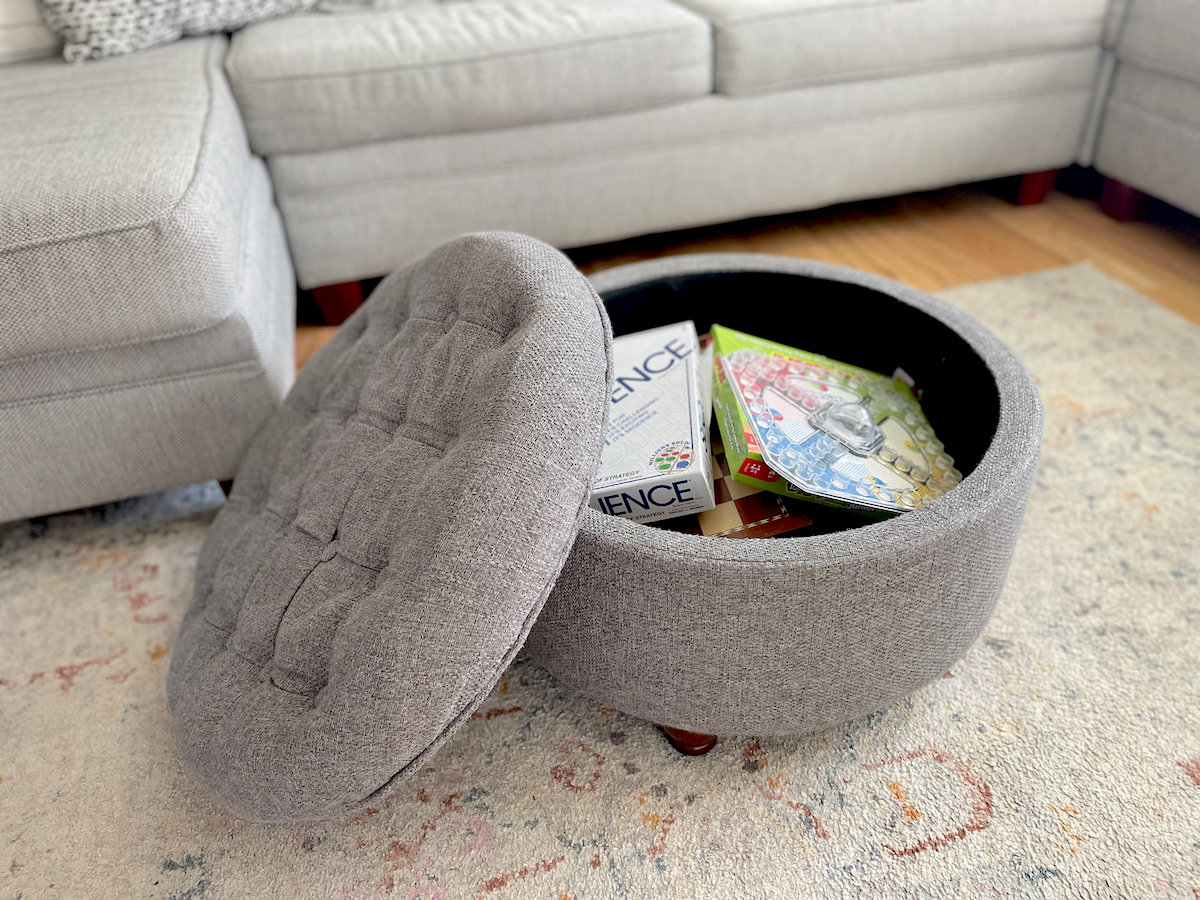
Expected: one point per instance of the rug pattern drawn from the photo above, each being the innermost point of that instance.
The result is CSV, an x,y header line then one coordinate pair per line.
x,y
1060,757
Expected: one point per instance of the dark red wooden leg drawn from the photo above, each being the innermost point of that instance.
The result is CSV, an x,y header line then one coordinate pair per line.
x,y
226,486
1036,187
689,742
338,301
1120,201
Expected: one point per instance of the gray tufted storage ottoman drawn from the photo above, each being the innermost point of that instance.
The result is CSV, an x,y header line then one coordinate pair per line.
x,y
794,635
397,526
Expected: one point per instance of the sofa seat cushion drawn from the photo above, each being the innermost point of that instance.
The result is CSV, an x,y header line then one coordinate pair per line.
x,y
147,290
317,82
766,45
1163,36
112,176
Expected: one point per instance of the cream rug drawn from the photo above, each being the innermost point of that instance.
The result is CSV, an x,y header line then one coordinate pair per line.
x,y
1059,758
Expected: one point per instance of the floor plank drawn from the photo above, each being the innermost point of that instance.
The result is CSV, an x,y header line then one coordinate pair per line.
x,y
933,241
310,339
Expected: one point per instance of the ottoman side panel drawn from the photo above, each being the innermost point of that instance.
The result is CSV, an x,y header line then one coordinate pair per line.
x,y
792,636
776,647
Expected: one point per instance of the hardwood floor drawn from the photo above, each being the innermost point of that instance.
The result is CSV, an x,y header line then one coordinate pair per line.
x,y
310,339
932,241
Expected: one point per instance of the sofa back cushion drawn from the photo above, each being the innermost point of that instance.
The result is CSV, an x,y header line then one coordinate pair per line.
x,y
99,28
23,34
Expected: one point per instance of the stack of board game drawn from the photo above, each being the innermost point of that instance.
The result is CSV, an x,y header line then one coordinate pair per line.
x,y
805,443
742,511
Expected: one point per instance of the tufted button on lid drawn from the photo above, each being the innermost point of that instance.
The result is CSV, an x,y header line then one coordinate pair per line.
x,y
393,531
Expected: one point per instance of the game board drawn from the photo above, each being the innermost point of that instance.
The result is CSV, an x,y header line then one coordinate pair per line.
x,y
803,425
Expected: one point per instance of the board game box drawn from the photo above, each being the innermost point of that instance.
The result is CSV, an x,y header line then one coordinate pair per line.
x,y
741,510
655,464
806,426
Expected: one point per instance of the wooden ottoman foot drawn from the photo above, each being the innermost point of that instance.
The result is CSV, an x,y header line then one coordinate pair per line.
x,y
689,742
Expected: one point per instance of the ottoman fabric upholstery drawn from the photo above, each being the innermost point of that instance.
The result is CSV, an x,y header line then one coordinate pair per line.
x,y
790,636
393,531
320,82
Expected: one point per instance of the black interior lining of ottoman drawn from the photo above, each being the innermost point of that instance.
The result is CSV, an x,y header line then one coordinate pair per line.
x,y
846,322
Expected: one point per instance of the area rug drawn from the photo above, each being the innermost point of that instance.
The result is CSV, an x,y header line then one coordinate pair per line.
x,y
1060,757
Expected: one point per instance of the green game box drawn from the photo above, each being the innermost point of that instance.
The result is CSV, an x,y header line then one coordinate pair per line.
x,y
807,426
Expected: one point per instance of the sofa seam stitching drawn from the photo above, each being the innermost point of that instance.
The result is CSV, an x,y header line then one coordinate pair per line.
x,y
1140,63
512,54
129,385
117,345
1128,106
285,194
735,20
671,99
901,71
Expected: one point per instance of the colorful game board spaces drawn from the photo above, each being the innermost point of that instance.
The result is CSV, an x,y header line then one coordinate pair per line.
x,y
833,430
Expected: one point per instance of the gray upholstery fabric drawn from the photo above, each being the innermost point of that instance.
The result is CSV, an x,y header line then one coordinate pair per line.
x,y
393,531
1149,133
23,34
1117,12
1150,136
770,45
790,636
1156,95
95,29
318,82
367,210
1162,35
147,289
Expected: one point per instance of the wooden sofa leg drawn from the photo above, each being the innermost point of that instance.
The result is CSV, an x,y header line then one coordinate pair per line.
x,y
1120,201
689,742
1036,187
338,301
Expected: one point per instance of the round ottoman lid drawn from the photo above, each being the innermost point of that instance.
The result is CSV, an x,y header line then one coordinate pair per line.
x,y
393,531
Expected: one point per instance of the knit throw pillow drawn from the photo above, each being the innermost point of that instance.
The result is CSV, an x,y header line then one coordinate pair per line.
x,y
94,29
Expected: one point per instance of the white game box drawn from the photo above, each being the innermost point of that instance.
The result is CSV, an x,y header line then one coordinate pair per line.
x,y
656,462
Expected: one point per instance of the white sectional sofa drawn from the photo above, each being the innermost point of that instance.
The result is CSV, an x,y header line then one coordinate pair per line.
x,y
147,285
